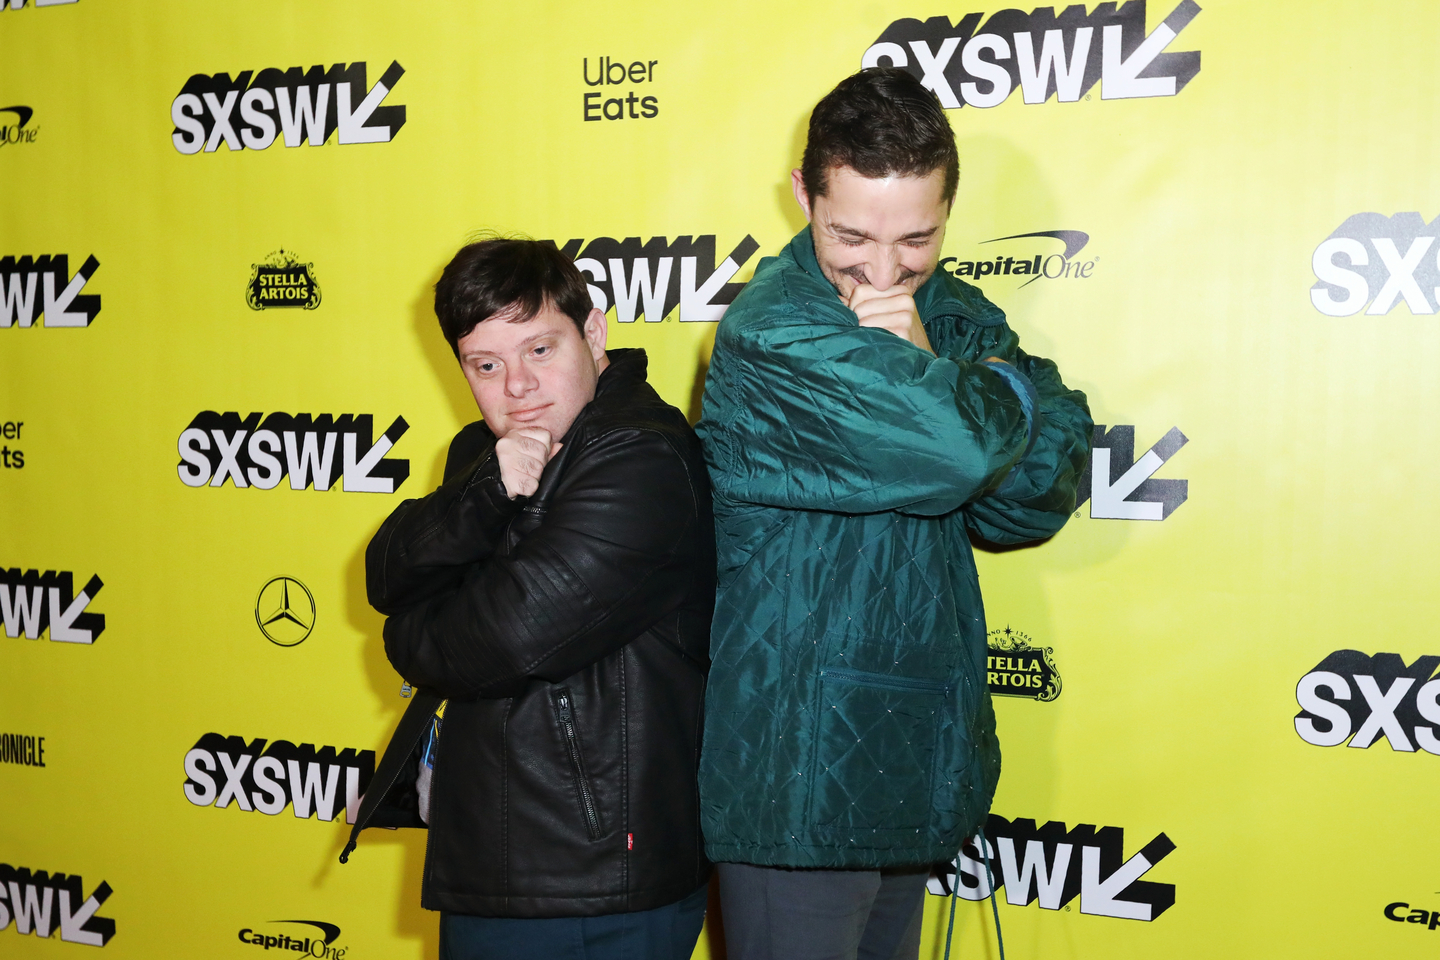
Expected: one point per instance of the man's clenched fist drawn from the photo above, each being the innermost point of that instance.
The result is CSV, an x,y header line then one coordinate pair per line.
x,y
892,309
523,453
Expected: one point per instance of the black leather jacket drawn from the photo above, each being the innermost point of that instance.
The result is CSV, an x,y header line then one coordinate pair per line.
x,y
570,634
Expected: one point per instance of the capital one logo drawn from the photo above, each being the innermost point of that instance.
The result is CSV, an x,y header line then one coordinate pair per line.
x,y
1353,696
15,133
222,770
37,903
1042,54
33,602
1053,865
299,107
220,448
651,279
1119,487
1379,260
60,301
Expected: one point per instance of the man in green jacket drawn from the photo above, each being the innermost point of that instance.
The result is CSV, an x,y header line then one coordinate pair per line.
x,y
864,416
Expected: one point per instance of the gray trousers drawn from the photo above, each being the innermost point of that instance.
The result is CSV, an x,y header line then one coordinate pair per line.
x,y
775,913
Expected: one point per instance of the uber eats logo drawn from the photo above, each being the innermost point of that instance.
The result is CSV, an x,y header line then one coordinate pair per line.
x,y
33,602
320,783
1053,866
602,105
39,903
652,279
1119,487
298,107
1378,260
1041,54
1353,696
259,451
35,287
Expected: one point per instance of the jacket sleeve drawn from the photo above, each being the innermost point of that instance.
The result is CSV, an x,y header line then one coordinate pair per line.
x,y
1036,498
609,557
424,546
834,416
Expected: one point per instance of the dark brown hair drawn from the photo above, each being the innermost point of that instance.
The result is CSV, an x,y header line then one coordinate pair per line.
x,y
509,277
879,122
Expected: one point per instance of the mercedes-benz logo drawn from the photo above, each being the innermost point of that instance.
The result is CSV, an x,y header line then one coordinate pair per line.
x,y
285,611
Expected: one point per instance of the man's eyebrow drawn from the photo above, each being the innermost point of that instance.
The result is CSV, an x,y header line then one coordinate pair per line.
x,y
521,345
854,232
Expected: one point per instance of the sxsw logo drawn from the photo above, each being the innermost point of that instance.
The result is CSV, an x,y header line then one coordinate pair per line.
x,y
297,106
217,448
652,279
1053,866
60,300
18,4
1379,260
1119,487
223,770
1043,54
26,612
1360,698
39,903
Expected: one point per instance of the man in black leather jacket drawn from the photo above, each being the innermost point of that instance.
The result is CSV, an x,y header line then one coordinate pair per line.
x,y
551,604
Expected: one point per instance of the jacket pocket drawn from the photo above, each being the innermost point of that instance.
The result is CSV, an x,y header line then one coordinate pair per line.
x,y
570,733
875,748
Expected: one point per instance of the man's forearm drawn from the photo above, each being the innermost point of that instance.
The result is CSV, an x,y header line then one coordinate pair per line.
x,y
424,547
618,552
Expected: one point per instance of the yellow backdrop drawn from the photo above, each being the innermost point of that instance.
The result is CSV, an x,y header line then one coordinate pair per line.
x,y
219,371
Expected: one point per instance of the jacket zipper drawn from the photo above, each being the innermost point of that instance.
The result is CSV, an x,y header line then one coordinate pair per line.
x,y
572,744
880,680
361,825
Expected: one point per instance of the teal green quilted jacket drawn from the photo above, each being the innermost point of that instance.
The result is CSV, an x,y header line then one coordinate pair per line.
x,y
848,722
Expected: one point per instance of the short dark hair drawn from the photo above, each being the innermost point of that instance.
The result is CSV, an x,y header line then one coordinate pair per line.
x,y
517,278
880,122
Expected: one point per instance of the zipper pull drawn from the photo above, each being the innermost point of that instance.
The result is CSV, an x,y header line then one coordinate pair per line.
x,y
563,702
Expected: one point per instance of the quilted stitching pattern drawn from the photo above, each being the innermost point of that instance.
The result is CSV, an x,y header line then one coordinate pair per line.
x,y
863,733
846,573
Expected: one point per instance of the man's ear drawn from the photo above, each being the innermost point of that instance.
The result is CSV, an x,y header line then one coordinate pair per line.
x,y
595,333
797,183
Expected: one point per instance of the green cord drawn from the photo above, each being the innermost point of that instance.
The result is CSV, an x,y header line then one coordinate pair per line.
x,y
954,895
994,900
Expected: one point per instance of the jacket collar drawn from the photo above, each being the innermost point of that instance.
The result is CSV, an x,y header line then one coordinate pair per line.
x,y
940,296
627,367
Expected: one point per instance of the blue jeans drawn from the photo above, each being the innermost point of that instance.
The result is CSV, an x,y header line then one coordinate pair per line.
x,y
665,933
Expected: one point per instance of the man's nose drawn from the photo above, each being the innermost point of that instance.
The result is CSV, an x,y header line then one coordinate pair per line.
x,y
886,268
518,379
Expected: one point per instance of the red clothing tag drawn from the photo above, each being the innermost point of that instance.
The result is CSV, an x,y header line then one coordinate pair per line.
x,y
629,841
